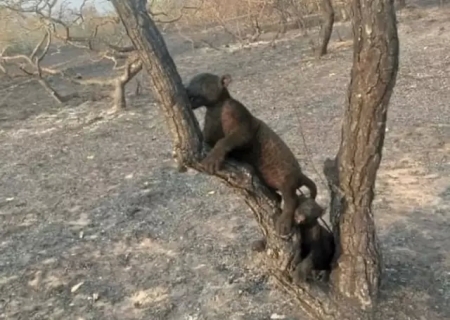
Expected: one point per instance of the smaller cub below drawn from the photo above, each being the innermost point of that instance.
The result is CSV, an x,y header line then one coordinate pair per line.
x,y
316,242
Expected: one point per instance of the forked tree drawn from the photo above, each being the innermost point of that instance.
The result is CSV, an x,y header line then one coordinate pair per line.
x,y
352,293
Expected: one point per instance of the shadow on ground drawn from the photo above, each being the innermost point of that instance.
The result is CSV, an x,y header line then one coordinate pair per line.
x,y
417,267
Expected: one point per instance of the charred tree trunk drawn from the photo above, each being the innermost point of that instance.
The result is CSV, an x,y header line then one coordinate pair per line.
x,y
327,26
166,85
373,77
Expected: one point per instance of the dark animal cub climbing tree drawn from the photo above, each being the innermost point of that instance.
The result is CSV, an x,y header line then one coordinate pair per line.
x,y
351,176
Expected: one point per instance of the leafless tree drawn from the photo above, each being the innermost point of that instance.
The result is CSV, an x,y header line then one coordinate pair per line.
x,y
351,175
57,24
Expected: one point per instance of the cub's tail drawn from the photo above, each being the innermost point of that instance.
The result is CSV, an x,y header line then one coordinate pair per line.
x,y
307,182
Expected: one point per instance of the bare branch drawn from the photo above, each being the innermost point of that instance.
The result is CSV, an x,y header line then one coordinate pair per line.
x,y
131,70
59,28
79,14
182,9
47,45
38,46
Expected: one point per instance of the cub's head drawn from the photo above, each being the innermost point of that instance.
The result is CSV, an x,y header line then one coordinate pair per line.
x,y
308,211
206,89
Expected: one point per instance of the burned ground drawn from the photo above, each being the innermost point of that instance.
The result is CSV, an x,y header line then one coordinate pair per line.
x,y
95,222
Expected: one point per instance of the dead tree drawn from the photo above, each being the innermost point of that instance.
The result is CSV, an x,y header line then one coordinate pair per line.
x,y
351,176
56,27
31,65
326,28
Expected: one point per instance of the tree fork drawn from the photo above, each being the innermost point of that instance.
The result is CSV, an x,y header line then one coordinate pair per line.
x,y
352,176
167,86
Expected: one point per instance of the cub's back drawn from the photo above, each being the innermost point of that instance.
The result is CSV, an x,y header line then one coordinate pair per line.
x,y
275,158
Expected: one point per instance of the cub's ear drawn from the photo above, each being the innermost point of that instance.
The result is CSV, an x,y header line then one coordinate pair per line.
x,y
225,80
310,210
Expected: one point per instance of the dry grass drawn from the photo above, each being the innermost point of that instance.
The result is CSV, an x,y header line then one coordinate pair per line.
x,y
18,34
238,15
21,33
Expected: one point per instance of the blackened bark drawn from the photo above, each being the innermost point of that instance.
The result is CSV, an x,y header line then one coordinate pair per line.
x,y
375,64
327,26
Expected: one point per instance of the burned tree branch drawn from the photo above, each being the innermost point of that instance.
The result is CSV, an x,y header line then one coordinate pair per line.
x,y
33,62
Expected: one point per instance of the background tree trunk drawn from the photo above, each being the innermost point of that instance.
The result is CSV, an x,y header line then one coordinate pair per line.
x,y
327,26
355,156
373,77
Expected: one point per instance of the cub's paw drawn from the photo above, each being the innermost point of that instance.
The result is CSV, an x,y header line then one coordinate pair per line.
x,y
303,271
298,276
212,162
283,225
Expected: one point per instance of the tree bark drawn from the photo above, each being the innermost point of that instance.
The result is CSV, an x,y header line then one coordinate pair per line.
x,y
327,26
374,72
165,81
167,87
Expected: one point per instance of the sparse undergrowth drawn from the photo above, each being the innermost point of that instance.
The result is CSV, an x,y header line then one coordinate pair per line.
x,y
86,194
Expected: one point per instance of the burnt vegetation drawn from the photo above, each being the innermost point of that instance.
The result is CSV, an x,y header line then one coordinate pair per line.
x,y
351,175
332,272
